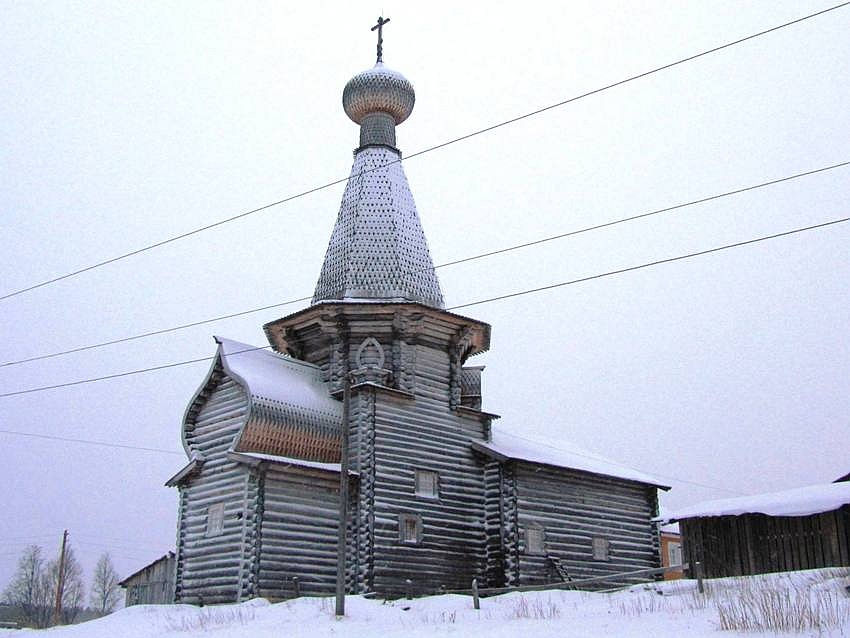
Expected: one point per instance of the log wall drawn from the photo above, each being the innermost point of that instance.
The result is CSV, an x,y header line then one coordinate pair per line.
x,y
209,567
422,433
493,525
299,533
574,508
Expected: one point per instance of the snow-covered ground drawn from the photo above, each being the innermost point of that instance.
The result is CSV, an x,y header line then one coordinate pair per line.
x,y
814,601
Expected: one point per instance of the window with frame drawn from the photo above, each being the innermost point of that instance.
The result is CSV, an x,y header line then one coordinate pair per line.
x,y
535,539
215,520
601,548
427,484
674,553
410,529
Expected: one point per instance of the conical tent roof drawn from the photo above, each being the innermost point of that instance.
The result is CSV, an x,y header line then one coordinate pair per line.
x,y
378,250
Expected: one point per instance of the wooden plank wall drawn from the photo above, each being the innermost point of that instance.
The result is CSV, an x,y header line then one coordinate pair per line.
x,y
424,433
208,568
758,544
575,507
154,585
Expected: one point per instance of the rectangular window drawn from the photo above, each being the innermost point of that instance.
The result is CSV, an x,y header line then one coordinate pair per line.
x,y
535,539
427,484
215,520
601,549
674,553
410,528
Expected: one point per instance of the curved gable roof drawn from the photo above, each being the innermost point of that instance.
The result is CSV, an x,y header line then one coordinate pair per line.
x,y
275,378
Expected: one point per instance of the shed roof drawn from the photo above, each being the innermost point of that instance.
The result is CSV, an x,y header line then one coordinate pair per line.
x,y
164,557
801,501
505,445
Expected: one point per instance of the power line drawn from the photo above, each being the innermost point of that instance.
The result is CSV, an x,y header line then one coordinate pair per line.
x,y
154,332
124,374
120,547
136,542
422,152
466,305
647,265
491,253
650,474
91,442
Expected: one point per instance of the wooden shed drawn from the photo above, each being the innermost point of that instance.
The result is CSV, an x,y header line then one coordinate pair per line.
x,y
153,584
804,528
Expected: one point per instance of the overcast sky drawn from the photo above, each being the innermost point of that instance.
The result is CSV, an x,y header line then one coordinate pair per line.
x,y
122,124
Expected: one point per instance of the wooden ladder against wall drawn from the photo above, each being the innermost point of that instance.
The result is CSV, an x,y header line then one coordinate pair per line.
x,y
560,568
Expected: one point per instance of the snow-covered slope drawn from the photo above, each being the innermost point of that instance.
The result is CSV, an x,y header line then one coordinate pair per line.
x,y
664,610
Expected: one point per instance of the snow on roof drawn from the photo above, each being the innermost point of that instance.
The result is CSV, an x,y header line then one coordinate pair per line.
x,y
286,460
275,377
801,501
561,454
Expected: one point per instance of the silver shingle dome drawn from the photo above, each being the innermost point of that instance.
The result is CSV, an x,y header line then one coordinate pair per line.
x,y
378,250
378,90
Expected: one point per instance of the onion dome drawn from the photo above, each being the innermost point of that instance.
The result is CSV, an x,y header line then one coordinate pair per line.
x,y
378,90
378,99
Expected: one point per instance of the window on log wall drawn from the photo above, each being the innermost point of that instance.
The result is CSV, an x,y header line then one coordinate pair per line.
x,y
410,529
215,520
427,484
535,539
601,548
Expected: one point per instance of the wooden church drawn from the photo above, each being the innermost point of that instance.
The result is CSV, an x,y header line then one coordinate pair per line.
x,y
437,497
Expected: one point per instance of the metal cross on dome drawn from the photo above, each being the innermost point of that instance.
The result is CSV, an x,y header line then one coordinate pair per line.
x,y
380,28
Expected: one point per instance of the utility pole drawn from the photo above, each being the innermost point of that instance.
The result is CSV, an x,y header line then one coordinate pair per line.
x,y
343,497
60,581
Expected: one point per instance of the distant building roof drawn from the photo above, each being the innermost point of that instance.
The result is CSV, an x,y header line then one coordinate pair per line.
x,y
801,501
559,454
167,556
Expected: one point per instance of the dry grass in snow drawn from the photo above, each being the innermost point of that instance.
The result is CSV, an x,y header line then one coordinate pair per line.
x,y
812,603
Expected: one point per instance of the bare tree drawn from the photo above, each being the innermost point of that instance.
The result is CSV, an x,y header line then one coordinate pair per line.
x,y
104,586
73,592
29,589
